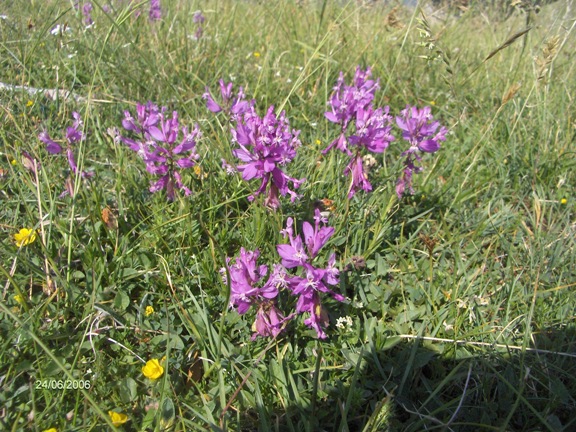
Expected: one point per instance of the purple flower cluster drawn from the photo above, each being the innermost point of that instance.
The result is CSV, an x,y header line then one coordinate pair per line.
x,y
87,12
352,106
163,145
232,105
361,125
73,136
245,274
198,19
155,13
265,145
419,129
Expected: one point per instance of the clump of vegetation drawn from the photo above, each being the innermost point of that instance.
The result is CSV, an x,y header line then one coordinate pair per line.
x,y
183,249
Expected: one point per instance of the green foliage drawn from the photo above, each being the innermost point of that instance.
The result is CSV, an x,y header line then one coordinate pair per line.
x,y
461,305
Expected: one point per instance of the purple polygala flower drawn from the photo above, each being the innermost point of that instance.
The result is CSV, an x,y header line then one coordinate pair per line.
x,y
198,18
269,320
73,136
346,101
299,252
164,146
245,277
359,177
245,274
421,131
265,146
86,11
155,11
51,146
314,280
361,125
233,105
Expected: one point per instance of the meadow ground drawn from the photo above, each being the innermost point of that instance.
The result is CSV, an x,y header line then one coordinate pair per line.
x,y
451,308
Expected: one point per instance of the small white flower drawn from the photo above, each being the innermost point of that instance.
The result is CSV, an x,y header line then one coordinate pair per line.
x,y
60,29
344,323
448,327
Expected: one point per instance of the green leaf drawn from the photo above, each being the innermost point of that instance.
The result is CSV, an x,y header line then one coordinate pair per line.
x,y
121,301
128,390
167,413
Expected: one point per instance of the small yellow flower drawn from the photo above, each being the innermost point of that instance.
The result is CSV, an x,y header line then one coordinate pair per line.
x,y
318,142
25,237
563,201
29,103
14,162
432,103
149,311
153,369
51,430
19,299
199,173
117,418
256,54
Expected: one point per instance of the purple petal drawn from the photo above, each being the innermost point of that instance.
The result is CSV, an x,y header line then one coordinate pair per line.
x,y
429,146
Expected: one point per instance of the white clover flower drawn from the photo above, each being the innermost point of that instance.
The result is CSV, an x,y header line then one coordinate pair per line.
x,y
344,323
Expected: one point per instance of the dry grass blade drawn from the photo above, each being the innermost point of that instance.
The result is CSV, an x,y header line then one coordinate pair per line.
x,y
510,93
506,44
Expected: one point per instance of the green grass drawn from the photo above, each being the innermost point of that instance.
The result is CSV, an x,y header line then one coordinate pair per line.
x,y
463,317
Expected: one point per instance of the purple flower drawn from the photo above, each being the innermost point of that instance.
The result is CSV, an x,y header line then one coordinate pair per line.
x,y
293,254
198,18
265,145
245,274
234,107
373,129
155,11
163,145
359,177
419,129
30,163
346,101
51,146
360,125
86,11
269,320
314,280
73,135
318,319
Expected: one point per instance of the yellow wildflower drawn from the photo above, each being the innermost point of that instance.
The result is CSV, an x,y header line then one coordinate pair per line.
x,y
117,418
25,237
51,430
153,369
14,162
19,299
256,54
29,103
318,142
563,201
199,173
149,311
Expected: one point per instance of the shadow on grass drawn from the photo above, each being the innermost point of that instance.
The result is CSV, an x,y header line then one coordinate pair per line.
x,y
416,386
